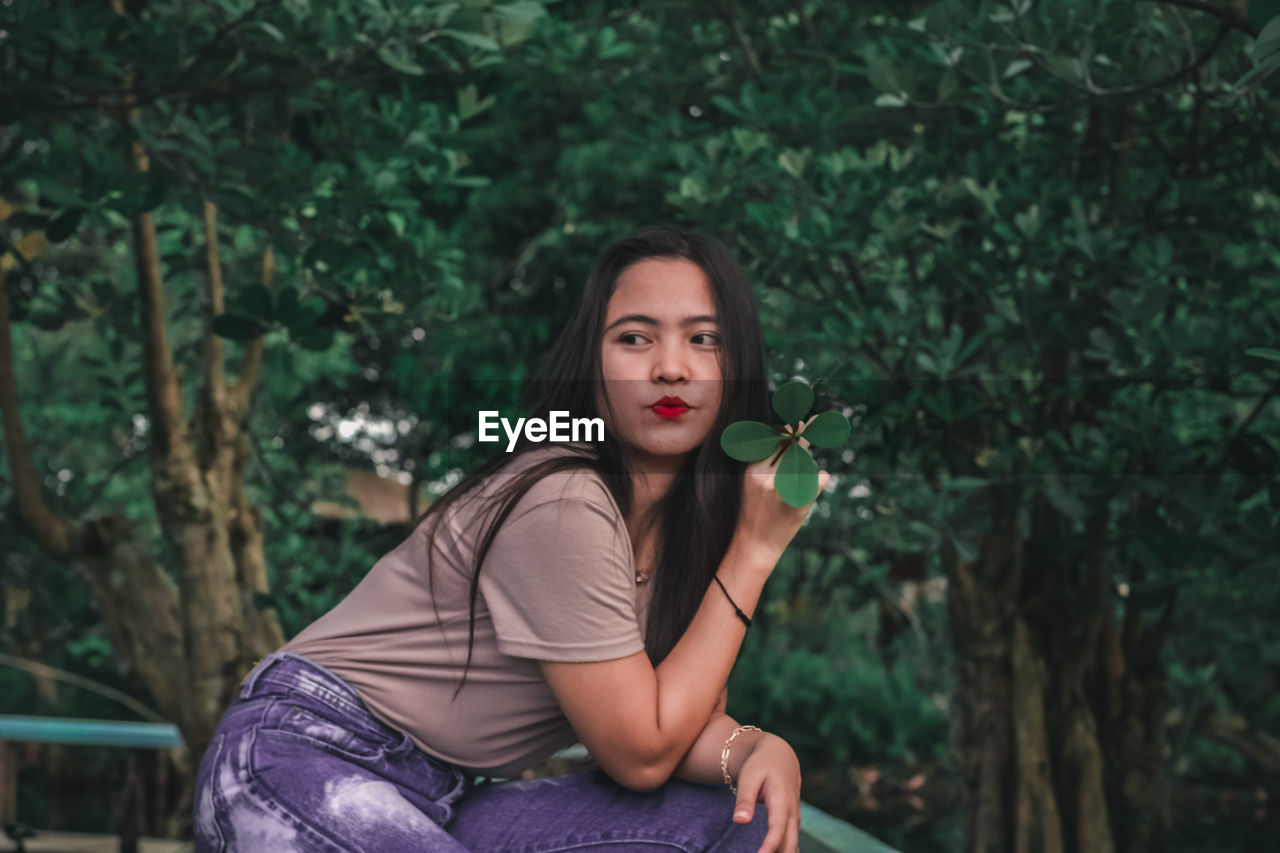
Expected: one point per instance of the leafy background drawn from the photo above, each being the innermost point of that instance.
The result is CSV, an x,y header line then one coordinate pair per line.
x,y
1031,243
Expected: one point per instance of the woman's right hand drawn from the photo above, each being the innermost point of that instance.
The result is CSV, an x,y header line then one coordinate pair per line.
x,y
767,523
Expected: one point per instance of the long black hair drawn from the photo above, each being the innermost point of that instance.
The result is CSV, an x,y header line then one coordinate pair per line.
x,y
697,518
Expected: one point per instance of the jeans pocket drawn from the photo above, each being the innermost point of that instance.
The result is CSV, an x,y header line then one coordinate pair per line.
x,y
327,729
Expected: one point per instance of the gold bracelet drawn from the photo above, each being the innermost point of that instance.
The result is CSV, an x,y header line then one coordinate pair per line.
x,y
724,755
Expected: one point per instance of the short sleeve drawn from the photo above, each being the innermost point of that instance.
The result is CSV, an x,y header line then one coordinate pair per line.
x,y
557,580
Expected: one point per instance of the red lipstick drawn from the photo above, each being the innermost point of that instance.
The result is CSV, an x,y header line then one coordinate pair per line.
x,y
670,407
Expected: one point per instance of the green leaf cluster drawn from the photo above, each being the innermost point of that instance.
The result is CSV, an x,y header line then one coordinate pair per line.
x,y
259,309
796,480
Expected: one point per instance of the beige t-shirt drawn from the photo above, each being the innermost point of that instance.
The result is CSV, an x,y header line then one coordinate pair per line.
x,y
557,584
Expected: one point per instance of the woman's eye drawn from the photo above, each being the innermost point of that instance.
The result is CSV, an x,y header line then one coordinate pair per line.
x,y
704,339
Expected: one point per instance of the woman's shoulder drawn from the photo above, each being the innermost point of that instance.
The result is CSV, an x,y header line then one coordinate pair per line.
x,y
579,483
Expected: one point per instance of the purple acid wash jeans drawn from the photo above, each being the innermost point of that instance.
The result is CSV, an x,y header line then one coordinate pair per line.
x,y
298,763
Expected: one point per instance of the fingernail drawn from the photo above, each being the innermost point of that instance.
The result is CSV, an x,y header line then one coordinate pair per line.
x,y
742,813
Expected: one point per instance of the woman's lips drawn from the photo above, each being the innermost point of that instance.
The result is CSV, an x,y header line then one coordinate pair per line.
x,y
665,411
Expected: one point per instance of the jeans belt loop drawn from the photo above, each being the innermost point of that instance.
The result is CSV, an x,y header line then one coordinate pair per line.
x,y
261,666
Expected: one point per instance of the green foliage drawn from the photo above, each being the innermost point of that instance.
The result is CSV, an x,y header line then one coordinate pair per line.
x,y
260,310
262,118
1265,52
796,480
1035,246
333,134
830,693
750,440
1039,272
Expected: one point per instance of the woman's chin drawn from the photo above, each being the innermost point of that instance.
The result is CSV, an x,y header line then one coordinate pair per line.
x,y
670,449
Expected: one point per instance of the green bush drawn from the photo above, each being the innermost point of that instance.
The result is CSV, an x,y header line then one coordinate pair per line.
x,y
837,702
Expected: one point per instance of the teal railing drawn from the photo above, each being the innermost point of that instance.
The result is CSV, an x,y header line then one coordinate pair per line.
x,y
820,832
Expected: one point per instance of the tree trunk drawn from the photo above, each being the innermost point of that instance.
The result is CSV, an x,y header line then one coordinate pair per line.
x,y
1057,728
192,640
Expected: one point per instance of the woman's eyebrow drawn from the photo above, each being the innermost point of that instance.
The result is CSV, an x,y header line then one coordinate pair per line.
x,y
691,320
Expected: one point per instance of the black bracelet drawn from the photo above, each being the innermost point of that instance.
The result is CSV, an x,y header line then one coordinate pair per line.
x,y
746,620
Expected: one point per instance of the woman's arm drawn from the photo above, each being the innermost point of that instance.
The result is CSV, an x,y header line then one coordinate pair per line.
x,y
702,762
638,721
764,768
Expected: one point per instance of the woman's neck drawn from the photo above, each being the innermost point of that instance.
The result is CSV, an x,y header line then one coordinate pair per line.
x,y
650,483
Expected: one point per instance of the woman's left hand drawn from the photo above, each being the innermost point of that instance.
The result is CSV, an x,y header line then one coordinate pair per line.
x,y
771,775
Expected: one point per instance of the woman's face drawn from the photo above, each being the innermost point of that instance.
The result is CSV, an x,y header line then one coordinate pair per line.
x,y
661,358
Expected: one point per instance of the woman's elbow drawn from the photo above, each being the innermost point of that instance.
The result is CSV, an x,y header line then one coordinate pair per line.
x,y
639,761
640,771
642,778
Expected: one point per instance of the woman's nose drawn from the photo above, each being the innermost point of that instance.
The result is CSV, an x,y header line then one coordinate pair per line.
x,y
672,364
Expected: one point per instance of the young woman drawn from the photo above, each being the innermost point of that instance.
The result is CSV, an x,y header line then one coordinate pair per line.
x,y
587,591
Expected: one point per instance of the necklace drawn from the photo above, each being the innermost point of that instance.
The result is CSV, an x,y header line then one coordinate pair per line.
x,y
641,555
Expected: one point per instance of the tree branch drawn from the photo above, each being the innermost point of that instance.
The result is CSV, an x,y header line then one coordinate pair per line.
x,y
1258,745
55,534
222,32
221,87
1231,14
210,414
1031,52
243,390
1221,464
164,388
45,671
213,366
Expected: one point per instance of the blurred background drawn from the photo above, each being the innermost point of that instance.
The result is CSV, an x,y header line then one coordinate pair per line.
x,y
258,256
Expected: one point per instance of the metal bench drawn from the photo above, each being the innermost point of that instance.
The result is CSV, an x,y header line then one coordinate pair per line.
x,y
63,730
820,832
